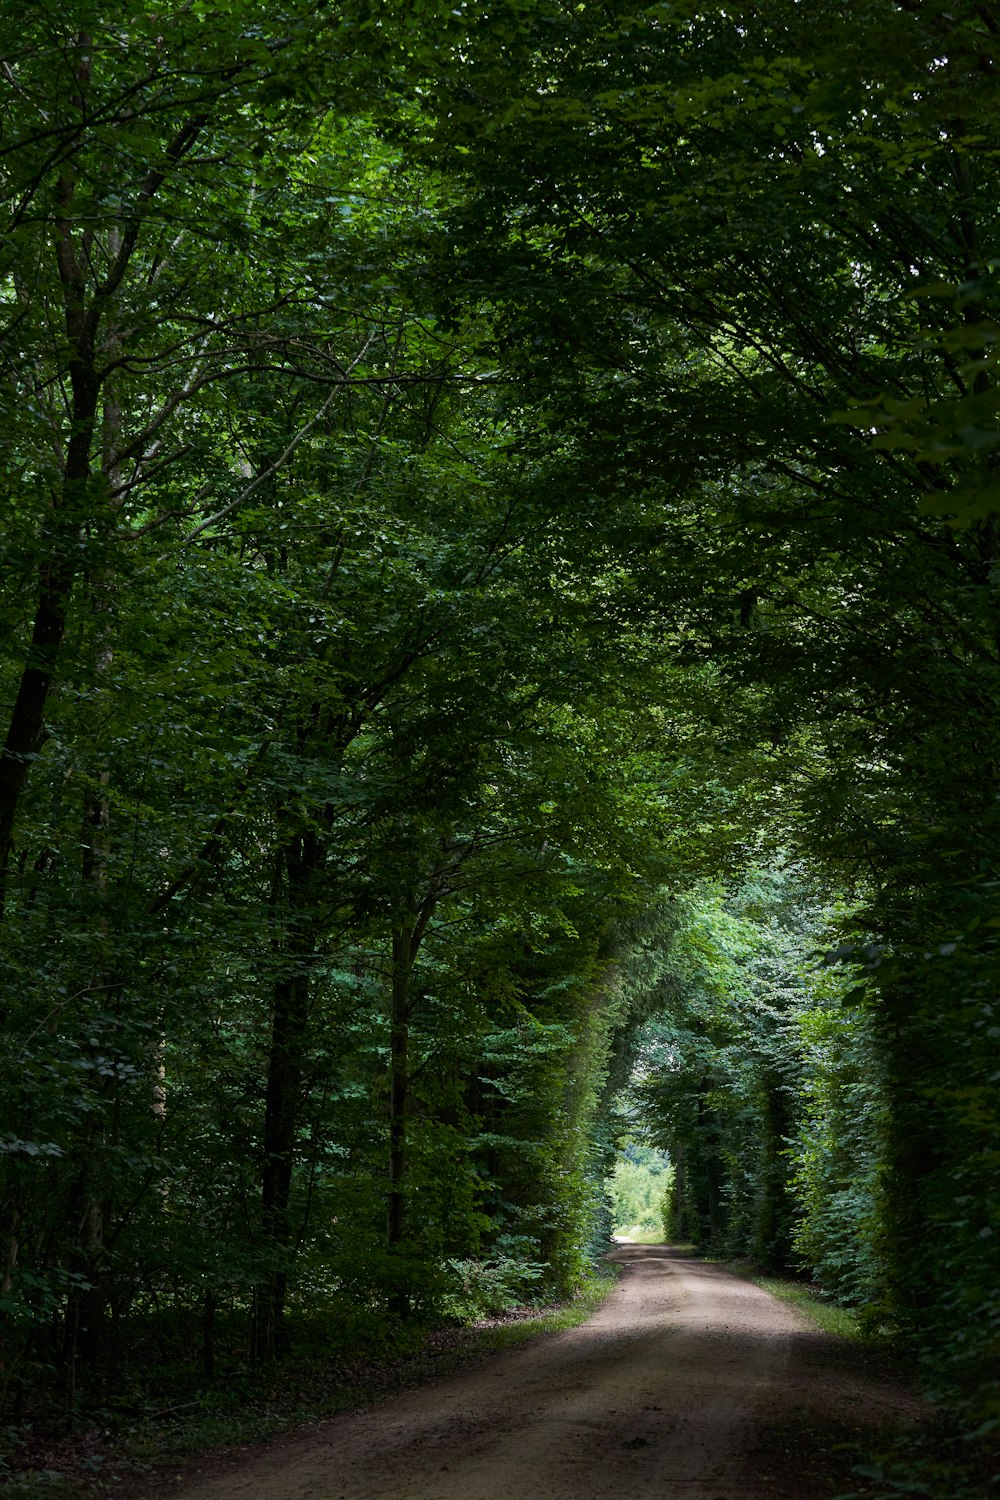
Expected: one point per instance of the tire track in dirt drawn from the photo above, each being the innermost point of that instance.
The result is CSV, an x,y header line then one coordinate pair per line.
x,y
688,1384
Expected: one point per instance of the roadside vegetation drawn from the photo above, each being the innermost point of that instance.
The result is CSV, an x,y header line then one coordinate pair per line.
x,y
150,1438
840,1321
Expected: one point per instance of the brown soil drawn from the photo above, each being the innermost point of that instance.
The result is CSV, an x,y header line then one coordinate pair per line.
x,y
688,1384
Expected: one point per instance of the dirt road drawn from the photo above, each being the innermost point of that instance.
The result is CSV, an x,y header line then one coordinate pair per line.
x,y
688,1384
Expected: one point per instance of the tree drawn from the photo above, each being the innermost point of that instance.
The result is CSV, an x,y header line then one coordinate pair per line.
x,y
752,256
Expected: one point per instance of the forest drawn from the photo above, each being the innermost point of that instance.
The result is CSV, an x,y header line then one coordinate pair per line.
x,y
500,666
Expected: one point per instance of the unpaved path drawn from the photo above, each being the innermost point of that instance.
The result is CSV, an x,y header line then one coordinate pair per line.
x,y
688,1384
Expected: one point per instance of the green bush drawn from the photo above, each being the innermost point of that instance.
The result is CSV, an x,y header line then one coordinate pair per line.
x,y
483,1288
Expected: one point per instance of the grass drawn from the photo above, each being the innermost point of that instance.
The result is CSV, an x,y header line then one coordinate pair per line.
x,y
941,1459
485,1340
642,1235
826,1315
805,1299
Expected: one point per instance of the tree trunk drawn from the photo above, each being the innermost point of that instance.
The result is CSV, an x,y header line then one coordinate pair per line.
x,y
289,1028
58,566
772,1235
407,935
208,1334
56,576
399,1043
403,954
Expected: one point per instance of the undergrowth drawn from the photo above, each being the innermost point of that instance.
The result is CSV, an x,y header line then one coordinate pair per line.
x,y
942,1462
146,1438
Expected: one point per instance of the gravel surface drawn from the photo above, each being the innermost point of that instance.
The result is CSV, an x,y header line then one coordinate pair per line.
x,y
688,1384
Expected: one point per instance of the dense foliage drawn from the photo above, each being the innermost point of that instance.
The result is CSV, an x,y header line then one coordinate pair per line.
x,y
756,249
767,1090
499,575
638,1188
